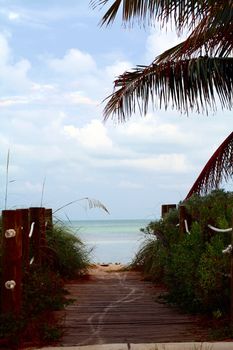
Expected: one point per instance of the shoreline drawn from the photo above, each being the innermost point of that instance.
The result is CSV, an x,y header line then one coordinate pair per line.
x,y
111,267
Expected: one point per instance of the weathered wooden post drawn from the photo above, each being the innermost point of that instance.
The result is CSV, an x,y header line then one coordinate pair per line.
x,y
25,237
165,208
182,218
49,219
11,262
37,221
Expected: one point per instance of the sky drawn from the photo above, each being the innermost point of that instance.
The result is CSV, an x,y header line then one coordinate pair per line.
x,y
57,65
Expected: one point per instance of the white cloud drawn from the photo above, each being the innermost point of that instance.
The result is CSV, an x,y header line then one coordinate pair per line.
x,y
73,62
5,50
13,76
13,16
130,185
15,100
119,67
38,17
78,97
153,129
32,187
161,163
92,136
164,162
159,41
43,87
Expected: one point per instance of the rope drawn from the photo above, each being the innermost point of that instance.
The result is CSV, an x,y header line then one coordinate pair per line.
x,y
227,250
220,229
31,229
186,227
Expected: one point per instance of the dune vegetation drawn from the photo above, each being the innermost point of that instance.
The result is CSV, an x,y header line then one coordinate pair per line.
x,y
192,266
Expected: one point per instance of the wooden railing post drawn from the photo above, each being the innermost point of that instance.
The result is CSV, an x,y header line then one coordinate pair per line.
x,y
25,238
11,262
165,208
49,219
37,216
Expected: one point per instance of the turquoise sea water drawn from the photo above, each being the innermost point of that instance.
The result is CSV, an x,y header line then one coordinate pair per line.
x,y
113,241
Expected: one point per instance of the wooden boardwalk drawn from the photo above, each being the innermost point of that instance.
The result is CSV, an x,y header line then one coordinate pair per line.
x,y
119,307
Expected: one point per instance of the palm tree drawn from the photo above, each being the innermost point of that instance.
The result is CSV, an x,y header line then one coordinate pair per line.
x,y
191,76
218,168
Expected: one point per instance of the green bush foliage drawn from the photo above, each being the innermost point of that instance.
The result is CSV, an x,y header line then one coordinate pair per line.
x,y
152,268
181,269
43,291
192,266
66,254
213,276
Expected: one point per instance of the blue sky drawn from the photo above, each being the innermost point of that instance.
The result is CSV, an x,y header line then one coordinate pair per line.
x,y
56,67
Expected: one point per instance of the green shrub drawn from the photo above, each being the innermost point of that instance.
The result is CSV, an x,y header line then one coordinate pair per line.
x,y
43,291
10,325
213,273
165,230
192,266
181,270
50,333
215,209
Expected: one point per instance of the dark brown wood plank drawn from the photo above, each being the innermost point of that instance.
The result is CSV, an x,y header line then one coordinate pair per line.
x,y
119,307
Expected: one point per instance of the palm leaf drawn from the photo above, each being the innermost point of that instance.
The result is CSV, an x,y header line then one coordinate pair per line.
x,y
187,85
181,12
177,76
214,35
218,168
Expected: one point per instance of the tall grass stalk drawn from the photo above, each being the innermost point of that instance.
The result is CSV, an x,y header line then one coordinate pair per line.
x,y
42,192
92,203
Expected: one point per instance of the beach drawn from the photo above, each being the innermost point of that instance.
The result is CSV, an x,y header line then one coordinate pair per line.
x,y
110,241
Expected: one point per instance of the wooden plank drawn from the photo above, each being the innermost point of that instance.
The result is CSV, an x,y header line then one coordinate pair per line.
x,y
37,216
25,238
120,307
11,297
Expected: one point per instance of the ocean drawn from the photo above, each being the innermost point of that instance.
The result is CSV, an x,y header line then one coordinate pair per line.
x,y
111,241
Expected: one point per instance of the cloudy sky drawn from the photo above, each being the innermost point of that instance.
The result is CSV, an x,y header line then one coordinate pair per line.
x,y
56,67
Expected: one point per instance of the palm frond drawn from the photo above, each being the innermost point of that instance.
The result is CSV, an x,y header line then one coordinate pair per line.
x,y
187,85
217,28
218,168
212,36
182,12
181,75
